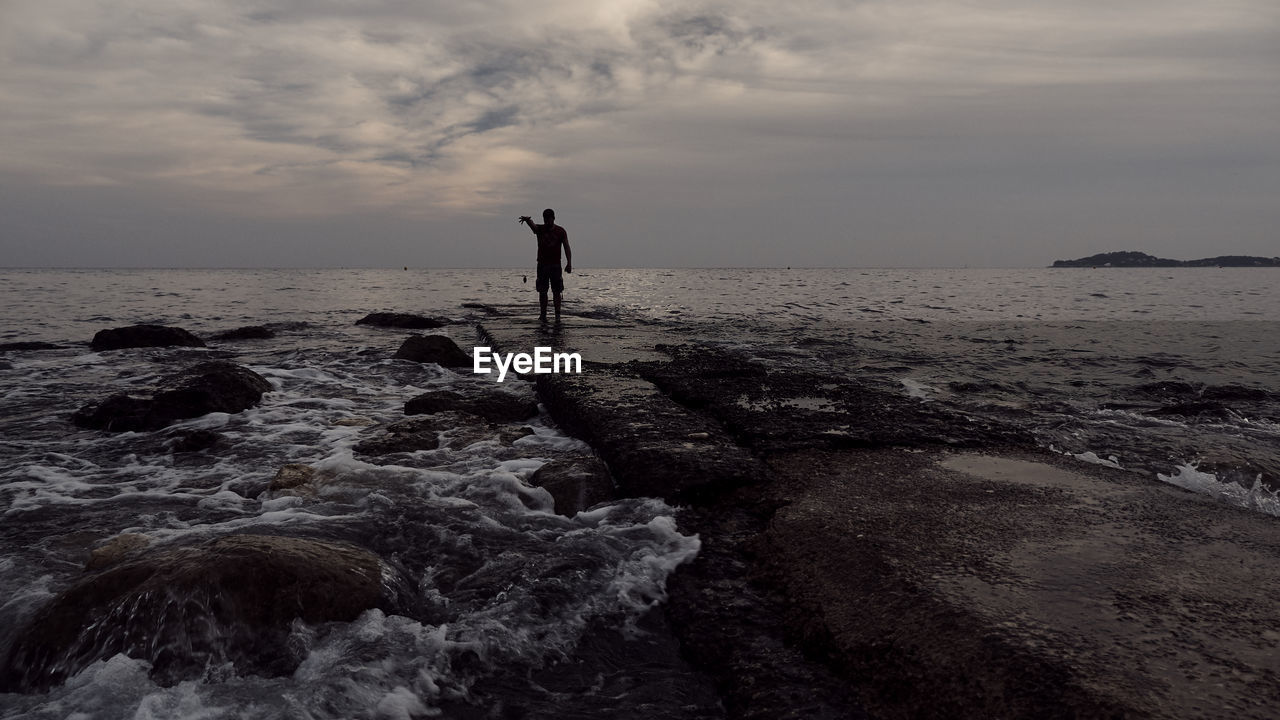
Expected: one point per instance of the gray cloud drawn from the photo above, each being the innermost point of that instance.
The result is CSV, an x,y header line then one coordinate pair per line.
x,y
914,132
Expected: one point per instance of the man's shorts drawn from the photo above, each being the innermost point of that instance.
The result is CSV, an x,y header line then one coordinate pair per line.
x,y
549,274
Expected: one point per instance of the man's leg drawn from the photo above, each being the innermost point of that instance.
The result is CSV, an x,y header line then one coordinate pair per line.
x,y
542,300
557,299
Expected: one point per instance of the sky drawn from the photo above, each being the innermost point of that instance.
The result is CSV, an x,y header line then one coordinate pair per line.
x,y
743,133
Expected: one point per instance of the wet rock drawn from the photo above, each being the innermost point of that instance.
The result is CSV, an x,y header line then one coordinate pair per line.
x,y
183,610
248,332
496,407
965,585
193,440
214,386
354,421
645,437
438,349
780,411
468,434
408,436
575,483
509,434
143,336
486,309
402,320
291,476
26,345
115,549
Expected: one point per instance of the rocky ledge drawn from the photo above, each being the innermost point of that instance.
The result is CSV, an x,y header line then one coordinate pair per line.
x,y
865,553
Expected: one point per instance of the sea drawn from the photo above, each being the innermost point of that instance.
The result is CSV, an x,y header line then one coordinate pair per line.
x,y
1173,374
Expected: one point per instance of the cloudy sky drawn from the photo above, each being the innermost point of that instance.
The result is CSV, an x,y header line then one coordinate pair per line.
x,y
695,133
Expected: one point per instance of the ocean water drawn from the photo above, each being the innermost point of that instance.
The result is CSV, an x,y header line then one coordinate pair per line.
x,y
1173,373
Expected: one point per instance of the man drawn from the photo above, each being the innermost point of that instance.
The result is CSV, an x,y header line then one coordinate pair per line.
x,y
550,237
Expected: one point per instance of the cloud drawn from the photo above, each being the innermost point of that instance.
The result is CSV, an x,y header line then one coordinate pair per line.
x,y
289,109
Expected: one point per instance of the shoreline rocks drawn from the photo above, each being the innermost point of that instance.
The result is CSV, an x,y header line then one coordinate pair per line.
x,y
439,349
495,407
230,599
248,332
896,558
212,386
575,483
146,335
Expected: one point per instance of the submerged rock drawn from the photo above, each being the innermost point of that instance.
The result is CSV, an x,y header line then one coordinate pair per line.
x,y
291,476
402,320
115,549
248,332
496,407
143,336
213,386
438,349
183,610
406,436
187,441
575,483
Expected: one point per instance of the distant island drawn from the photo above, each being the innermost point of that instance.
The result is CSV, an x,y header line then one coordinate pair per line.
x,y
1131,259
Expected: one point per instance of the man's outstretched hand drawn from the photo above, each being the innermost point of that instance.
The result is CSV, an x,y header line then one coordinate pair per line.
x,y
525,219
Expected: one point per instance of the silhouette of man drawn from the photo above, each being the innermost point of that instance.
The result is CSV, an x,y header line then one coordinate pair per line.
x,y
550,237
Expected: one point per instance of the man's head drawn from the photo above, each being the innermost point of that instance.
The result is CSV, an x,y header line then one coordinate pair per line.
x,y
548,215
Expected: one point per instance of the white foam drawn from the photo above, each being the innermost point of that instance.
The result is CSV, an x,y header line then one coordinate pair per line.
x,y
1258,497
1091,457
402,704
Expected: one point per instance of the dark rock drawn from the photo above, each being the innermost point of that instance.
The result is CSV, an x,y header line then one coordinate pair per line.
x,y
183,610
480,430
388,444
655,447
575,483
28,345
406,436
486,309
771,411
214,386
983,585
248,332
143,336
496,407
402,320
115,549
509,434
438,349
194,440
291,476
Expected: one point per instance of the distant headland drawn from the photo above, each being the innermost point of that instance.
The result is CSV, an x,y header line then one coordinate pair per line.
x,y
1131,259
